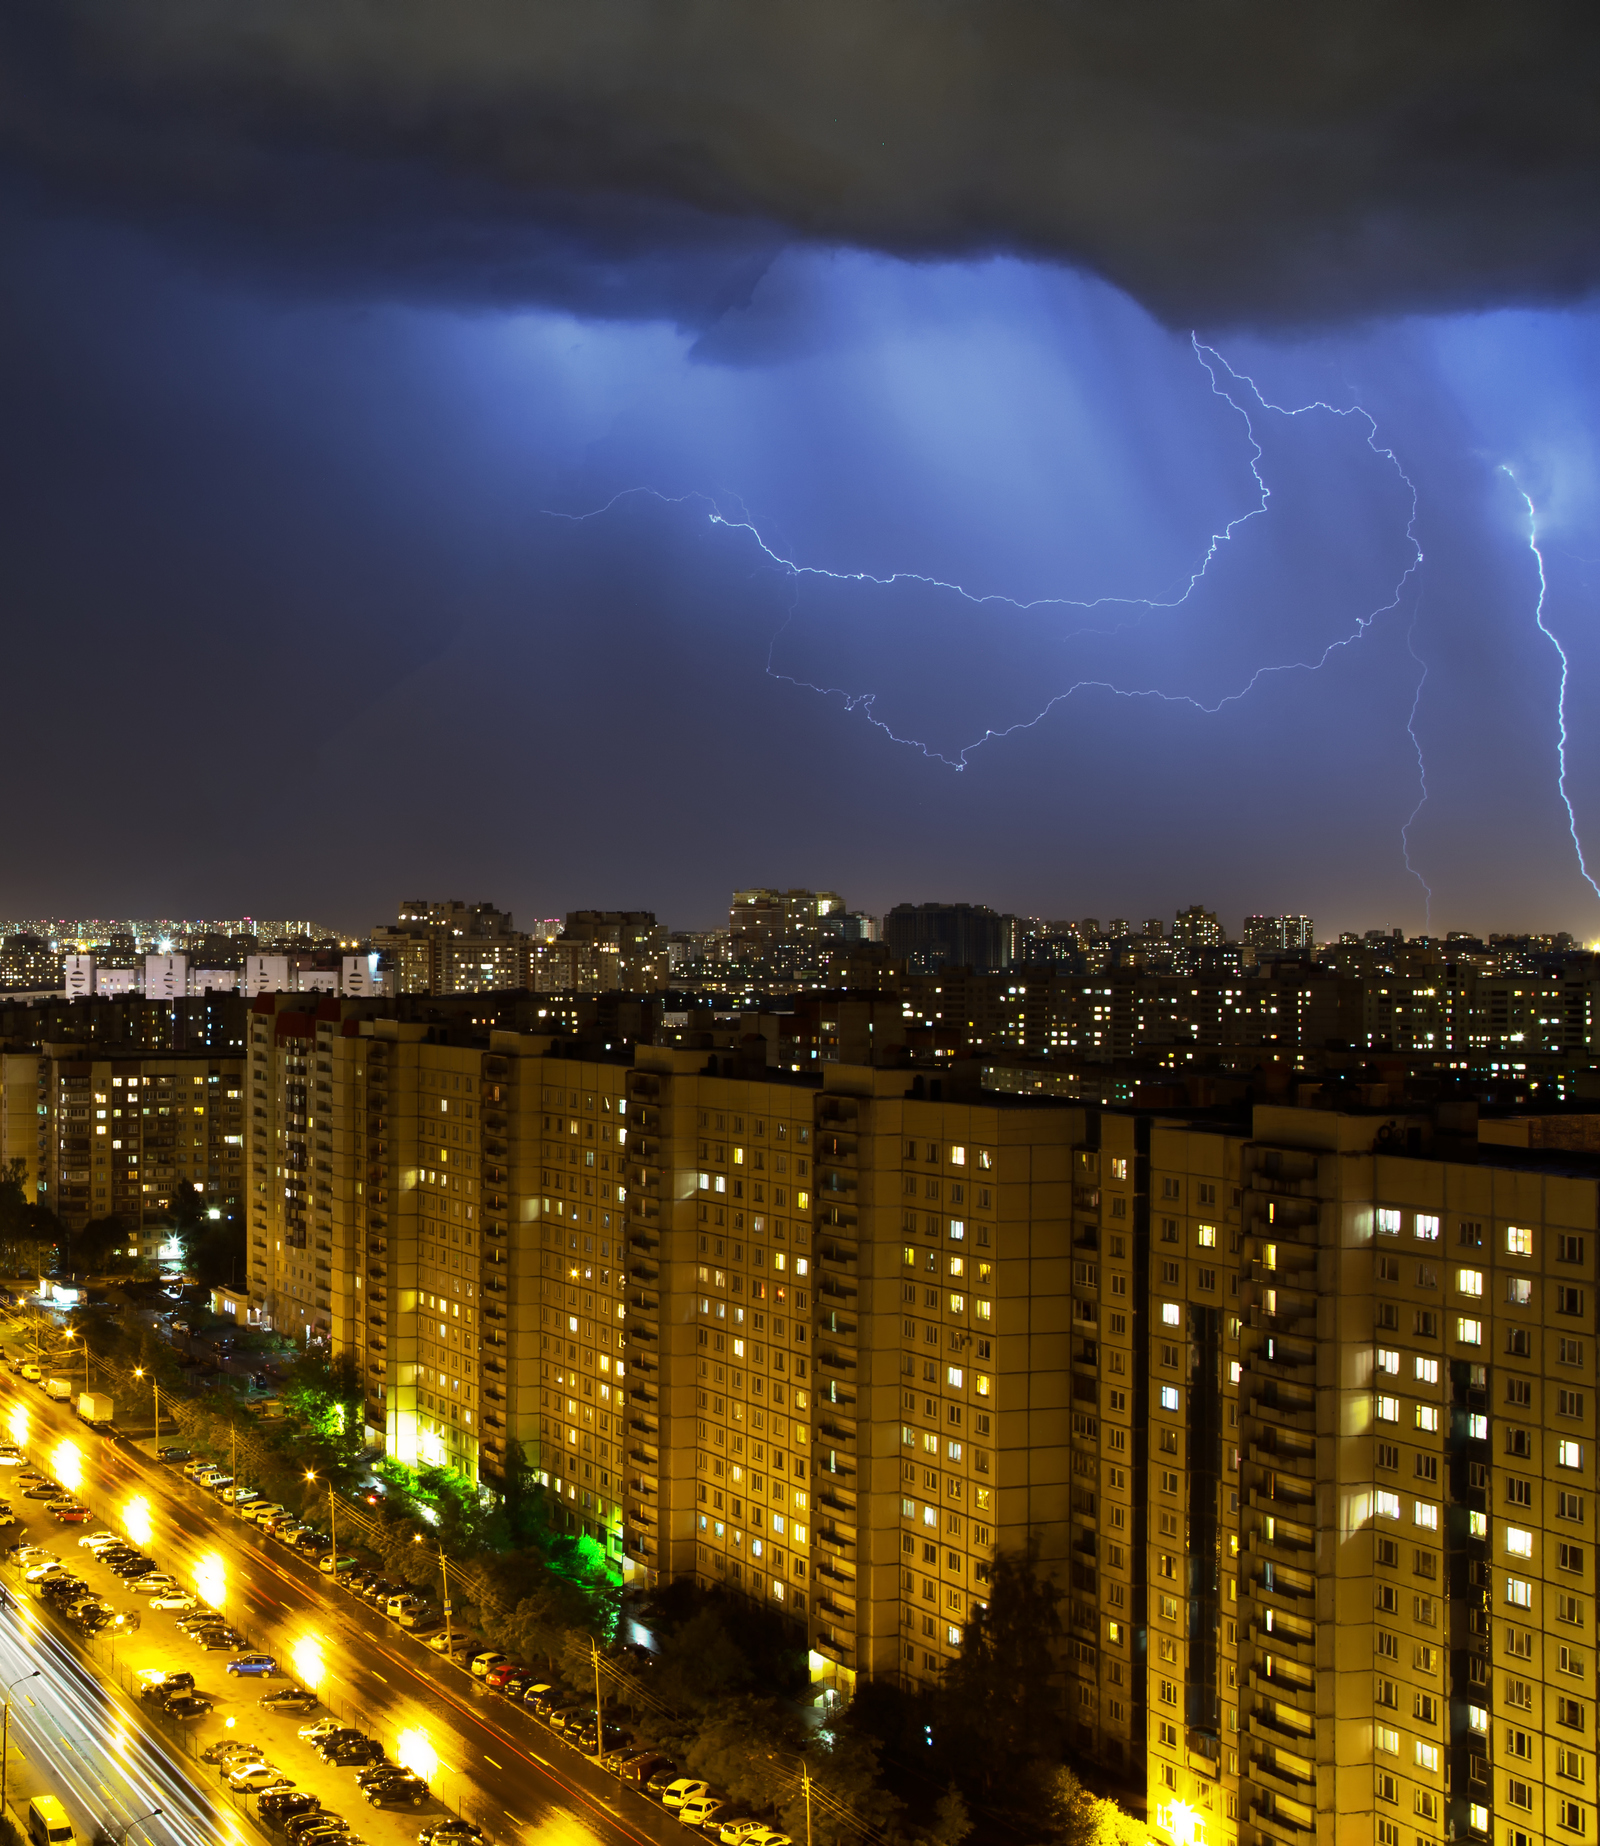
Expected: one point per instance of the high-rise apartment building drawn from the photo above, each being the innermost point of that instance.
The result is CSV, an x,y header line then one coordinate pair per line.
x,y
101,1134
930,937
1198,928
1278,933
1300,1407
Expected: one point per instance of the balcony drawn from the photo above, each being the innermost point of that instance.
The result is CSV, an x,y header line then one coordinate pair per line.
x,y
836,1361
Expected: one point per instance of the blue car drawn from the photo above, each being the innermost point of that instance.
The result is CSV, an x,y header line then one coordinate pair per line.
x,y
253,1663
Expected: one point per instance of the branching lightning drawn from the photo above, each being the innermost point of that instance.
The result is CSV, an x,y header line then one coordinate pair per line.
x,y
1242,395
1561,694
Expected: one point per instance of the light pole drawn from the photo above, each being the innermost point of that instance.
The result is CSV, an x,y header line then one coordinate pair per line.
x,y
444,1575
333,1530
155,1386
136,1823
5,1731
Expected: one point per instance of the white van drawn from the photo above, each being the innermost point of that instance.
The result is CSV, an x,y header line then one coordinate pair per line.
x,y
48,1824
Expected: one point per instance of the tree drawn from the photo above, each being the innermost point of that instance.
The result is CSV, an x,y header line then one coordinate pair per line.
x,y
998,1706
30,1234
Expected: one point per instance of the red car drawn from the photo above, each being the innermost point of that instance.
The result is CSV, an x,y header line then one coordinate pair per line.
x,y
503,1670
68,1512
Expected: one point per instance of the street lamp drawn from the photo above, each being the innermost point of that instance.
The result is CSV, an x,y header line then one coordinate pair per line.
x,y
71,1335
444,1573
155,1386
5,1727
333,1530
136,1823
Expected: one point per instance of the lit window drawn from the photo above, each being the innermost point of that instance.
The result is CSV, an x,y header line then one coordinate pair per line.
x,y
1569,1454
1388,1361
1206,1236
1387,1409
1169,1397
1519,1240
1469,1281
1428,1418
954,1376
1171,1314
1424,1514
1386,1740
1426,1370
1469,1332
1519,1542
958,1156
1426,1228
1519,1592
1386,1505
1388,1223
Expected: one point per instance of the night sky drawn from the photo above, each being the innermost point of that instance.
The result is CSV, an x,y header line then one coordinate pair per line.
x,y
609,455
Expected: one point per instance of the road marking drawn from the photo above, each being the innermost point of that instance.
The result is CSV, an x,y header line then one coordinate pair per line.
x,y
377,1675
493,1764
512,1818
538,1758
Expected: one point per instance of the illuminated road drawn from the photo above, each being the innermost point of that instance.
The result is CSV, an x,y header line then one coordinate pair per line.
x,y
73,1736
494,1763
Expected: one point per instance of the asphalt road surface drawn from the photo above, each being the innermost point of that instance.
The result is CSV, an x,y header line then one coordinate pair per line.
x,y
493,1762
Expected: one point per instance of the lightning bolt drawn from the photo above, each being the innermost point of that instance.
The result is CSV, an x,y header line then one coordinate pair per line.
x,y
1422,773
1561,694
1239,392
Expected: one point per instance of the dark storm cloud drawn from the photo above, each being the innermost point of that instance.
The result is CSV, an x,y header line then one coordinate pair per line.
x,y
1255,161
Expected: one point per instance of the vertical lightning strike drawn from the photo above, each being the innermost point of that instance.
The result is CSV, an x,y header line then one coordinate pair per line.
x,y
1422,772
1561,694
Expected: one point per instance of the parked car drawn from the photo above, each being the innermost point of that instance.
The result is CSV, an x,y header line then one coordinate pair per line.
x,y
187,1705
161,1685
767,1836
422,1618
380,1772
153,1583
248,1665
171,1454
260,1511
323,1826
643,1765
297,1824
458,1646
547,1699
330,1566
217,1640
256,1776
238,1496
502,1670
136,1566
282,1804
42,1490
661,1781
317,1728
401,1789
451,1833
354,1755
333,1733
288,1698
231,1750
701,1809
732,1830
174,1600
686,1788
570,1718
481,1663
68,1512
